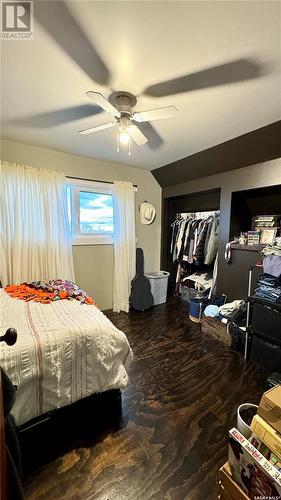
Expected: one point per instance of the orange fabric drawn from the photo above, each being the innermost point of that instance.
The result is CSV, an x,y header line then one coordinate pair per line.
x,y
27,293
24,292
89,300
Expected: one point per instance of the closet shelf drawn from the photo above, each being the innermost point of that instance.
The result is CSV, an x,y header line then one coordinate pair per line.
x,y
251,248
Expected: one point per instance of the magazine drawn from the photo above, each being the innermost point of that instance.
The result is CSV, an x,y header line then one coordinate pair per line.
x,y
250,469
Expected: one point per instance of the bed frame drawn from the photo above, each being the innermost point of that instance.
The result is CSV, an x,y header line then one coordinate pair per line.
x,y
107,401
49,436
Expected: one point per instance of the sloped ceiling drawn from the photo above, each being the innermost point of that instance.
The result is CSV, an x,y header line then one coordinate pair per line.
x,y
248,149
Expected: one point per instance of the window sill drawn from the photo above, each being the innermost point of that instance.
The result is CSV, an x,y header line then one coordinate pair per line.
x,y
98,240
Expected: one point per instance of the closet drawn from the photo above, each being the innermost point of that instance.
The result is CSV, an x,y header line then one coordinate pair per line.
x,y
188,222
193,249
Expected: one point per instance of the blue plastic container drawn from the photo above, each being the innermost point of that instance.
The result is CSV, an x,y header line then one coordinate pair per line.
x,y
196,308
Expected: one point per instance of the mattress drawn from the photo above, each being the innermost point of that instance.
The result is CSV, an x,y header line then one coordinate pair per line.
x,y
65,351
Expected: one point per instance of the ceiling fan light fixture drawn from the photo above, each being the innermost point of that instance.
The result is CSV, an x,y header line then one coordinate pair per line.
x,y
124,137
123,134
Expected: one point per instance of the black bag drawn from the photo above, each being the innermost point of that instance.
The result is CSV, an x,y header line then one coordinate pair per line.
x,y
237,337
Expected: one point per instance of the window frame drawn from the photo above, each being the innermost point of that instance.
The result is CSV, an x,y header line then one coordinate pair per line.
x,y
77,186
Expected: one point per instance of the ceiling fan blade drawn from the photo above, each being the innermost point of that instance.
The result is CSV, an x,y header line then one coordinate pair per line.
x,y
154,139
103,103
235,71
56,18
137,135
58,116
155,114
96,129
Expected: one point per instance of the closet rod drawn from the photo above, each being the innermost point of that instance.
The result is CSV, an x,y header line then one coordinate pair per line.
x,y
206,213
93,180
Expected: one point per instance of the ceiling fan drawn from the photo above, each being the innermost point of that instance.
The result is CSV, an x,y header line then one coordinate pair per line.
x,y
126,119
52,15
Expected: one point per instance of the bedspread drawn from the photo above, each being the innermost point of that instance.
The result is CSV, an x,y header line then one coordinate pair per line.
x,y
65,351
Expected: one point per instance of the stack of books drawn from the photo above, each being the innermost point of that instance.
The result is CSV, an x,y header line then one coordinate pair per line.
x,y
254,465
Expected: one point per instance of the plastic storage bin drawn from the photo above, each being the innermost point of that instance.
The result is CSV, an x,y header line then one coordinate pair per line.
x,y
159,286
266,354
266,321
188,294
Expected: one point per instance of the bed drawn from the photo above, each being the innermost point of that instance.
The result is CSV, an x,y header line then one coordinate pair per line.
x,y
65,351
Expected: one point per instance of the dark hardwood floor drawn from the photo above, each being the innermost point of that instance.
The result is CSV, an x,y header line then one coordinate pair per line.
x,y
171,437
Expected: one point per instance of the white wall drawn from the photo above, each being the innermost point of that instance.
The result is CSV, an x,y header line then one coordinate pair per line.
x,y
94,264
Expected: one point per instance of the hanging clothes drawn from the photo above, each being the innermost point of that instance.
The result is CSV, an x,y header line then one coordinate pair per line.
x,y
194,242
195,239
212,246
200,247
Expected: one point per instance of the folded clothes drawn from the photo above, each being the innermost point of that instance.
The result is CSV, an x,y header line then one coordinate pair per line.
x,y
268,280
272,250
269,288
228,308
267,293
48,291
272,265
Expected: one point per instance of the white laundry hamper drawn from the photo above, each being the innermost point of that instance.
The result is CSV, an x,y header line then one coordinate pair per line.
x,y
159,286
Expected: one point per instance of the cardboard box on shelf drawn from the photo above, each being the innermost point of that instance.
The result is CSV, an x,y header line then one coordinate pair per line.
x,y
228,489
270,407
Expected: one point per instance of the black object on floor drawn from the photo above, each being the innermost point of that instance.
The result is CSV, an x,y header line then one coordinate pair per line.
x,y
141,297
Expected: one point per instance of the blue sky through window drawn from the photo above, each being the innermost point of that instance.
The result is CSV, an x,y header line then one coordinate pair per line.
x,y
96,213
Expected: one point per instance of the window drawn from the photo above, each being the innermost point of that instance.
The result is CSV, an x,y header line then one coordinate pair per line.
x,y
90,211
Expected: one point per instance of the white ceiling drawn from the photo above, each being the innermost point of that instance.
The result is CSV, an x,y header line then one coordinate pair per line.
x,y
143,43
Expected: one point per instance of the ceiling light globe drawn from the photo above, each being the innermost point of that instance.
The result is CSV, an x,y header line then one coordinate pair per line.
x,y
124,137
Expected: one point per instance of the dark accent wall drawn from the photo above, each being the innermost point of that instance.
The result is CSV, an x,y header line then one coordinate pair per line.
x,y
255,147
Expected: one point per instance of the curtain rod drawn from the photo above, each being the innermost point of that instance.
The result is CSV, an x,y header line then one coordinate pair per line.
x,y
93,180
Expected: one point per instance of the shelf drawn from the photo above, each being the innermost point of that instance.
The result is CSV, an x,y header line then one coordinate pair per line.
x,y
249,248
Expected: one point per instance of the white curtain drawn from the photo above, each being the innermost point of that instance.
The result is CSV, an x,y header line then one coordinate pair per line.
x,y
124,244
35,239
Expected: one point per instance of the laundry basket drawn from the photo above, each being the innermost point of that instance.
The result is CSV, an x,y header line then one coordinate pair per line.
x,y
159,286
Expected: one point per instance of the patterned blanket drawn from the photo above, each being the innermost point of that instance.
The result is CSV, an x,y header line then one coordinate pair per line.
x,y
48,291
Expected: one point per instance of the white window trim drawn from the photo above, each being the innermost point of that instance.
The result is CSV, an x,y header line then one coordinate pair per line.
x,y
78,185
